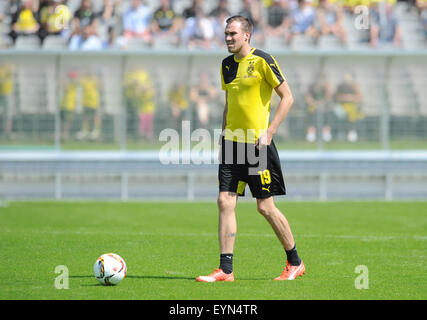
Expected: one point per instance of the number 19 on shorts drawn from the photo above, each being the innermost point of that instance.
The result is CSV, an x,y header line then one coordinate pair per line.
x,y
265,177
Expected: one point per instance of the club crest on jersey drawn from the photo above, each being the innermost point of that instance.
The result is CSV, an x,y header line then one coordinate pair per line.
x,y
250,70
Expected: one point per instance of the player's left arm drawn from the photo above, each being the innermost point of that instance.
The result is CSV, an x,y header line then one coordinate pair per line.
x,y
285,104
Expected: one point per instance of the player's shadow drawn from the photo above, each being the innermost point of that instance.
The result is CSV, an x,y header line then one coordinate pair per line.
x,y
130,276
166,277
188,278
86,276
160,277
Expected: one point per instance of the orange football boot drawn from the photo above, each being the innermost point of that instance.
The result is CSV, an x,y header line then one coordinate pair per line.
x,y
217,275
291,272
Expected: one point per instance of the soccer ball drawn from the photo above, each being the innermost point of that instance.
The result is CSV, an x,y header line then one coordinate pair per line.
x,y
109,269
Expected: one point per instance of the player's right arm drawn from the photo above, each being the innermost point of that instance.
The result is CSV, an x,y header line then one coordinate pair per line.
x,y
224,114
224,117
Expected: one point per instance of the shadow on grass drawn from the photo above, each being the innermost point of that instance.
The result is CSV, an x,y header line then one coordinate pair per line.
x,y
161,277
129,276
168,277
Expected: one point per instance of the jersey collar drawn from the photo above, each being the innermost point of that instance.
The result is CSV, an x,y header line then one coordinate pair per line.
x,y
245,57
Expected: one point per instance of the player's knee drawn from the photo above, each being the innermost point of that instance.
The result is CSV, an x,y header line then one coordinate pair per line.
x,y
226,202
265,209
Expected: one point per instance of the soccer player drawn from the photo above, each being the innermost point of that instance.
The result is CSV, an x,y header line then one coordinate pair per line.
x,y
248,77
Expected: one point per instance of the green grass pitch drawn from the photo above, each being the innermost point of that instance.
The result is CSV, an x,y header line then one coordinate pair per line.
x,y
166,245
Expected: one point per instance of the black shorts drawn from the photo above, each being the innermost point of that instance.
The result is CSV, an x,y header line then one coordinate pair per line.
x,y
243,164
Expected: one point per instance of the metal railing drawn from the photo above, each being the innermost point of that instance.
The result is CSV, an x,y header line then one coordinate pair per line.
x,y
140,175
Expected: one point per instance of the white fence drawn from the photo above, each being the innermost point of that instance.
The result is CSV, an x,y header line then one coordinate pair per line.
x,y
142,176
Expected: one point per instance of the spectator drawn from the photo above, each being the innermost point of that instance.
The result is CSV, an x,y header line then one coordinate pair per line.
x,y
55,18
316,99
349,5
83,17
384,28
165,22
136,22
330,19
252,10
11,6
190,12
108,13
219,26
113,41
6,91
178,102
222,6
203,95
278,14
215,20
303,19
24,21
43,5
422,10
1,23
4,8
348,97
199,31
91,123
88,40
139,95
68,102
421,6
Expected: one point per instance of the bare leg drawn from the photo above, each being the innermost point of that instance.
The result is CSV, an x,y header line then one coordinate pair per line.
x,y
227,226
226,234
277,221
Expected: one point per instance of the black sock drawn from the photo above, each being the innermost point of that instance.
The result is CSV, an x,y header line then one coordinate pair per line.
x,y
292,256
226,262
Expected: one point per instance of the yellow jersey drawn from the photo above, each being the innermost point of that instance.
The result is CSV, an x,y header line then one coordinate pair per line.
x,y
69,99
90,93
6,80
249,83
26,20
140,90
178,97
56,20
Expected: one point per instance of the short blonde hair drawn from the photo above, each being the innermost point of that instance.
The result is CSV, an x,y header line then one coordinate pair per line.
x,y
245,23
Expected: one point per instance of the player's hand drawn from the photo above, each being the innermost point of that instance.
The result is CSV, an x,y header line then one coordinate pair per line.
x,y
264,139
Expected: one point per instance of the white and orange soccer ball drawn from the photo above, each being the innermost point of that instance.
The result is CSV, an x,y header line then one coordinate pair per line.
x,y
109,269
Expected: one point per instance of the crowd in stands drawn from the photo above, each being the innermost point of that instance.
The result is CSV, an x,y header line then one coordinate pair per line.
x,y
120,23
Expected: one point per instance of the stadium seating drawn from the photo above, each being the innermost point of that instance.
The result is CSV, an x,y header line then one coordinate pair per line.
x,y
356,39
329,42
274,43
136,44
27,43
413,36
54,43
163,43
301,42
